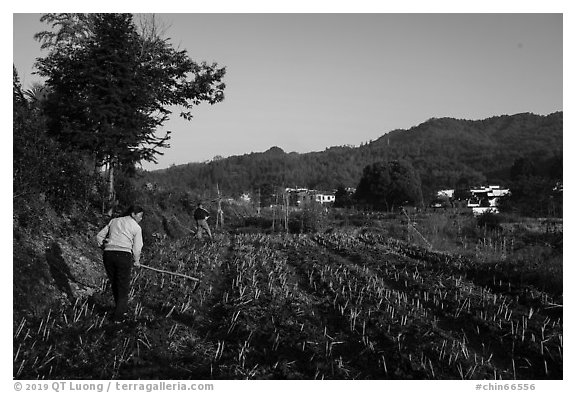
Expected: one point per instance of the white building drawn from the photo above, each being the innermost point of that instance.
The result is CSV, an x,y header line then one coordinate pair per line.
x,y
446,193
485,199
304,195
325,198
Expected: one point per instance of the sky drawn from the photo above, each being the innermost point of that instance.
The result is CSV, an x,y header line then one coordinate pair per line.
x,y
307,81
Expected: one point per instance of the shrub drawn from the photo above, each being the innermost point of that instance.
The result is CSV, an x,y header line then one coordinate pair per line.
x,y
42,167
126,192
489,221
311,219
258,222
69,182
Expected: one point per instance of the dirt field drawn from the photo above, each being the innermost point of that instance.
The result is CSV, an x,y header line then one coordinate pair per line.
x,y
332,306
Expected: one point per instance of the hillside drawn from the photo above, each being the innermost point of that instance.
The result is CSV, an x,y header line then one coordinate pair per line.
x,y
446,152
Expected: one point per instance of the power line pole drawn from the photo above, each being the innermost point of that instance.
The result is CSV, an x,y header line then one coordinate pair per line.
x,y
274,210
220,213
286,207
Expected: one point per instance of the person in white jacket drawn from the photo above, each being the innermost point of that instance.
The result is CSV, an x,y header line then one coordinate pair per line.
x,y
121,241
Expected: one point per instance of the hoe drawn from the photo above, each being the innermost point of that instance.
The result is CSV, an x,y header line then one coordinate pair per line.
x,y
172,273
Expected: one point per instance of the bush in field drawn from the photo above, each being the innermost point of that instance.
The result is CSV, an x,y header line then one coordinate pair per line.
x,y
126,192
258,222
173,228
343,198
489,221
312,218
152,224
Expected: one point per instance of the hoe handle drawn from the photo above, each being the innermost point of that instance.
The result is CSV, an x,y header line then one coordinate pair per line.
x,y
172,273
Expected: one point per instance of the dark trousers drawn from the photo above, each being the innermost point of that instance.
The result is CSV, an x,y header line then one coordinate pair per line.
x,y
118,265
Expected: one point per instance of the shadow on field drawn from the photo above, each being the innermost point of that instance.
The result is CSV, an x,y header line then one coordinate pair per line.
x,y
59,270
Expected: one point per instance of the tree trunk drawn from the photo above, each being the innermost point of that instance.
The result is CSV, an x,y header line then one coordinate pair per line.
x,y
274,213
286,206
111,197
220,213
110,183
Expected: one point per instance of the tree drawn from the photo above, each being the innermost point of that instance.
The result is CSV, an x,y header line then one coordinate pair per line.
x,y
18,96
40,165
522,167
534,189
532,196
37,94
554,168
111,87
386,185
267,193
342,198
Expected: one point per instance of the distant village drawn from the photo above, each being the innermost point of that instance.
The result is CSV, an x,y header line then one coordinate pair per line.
x,y
301,196
480,199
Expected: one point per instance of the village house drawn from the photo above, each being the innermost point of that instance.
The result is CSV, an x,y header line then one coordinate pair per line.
x,y
325,198
446,193
485,199
482,199
300,196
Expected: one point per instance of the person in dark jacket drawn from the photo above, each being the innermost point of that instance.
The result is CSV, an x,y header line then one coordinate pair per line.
x,y
121,241
201,215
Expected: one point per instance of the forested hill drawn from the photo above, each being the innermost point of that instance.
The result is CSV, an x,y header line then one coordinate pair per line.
x,y
446,152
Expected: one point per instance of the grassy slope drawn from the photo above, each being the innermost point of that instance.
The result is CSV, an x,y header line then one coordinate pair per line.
x,y
55,260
